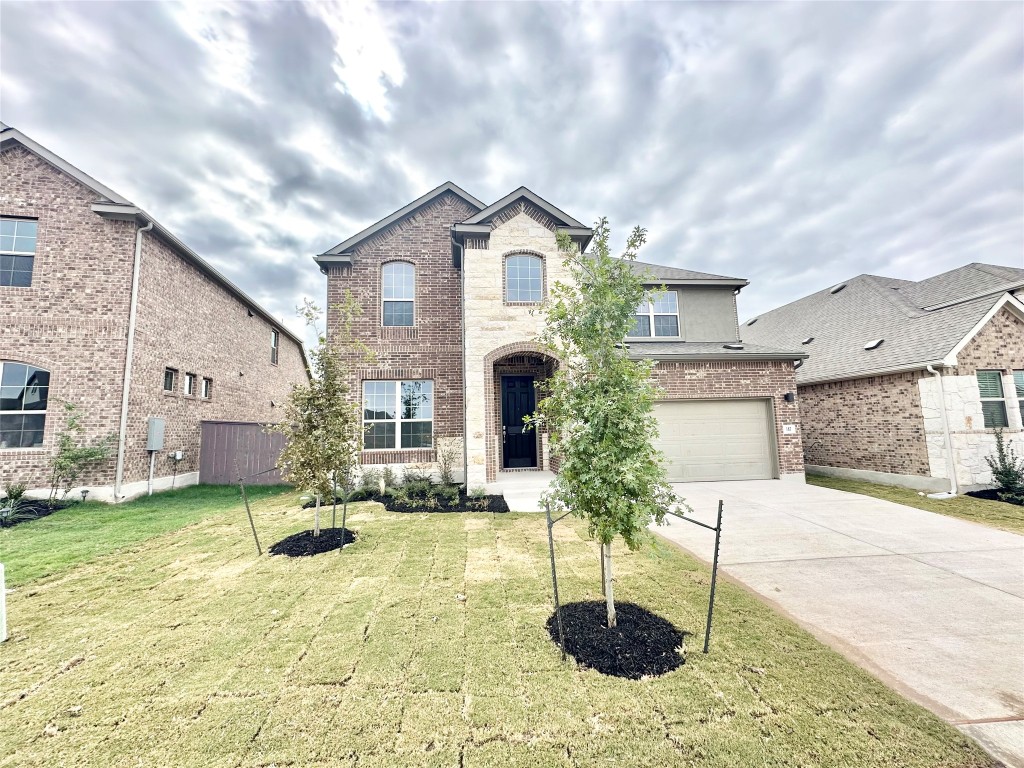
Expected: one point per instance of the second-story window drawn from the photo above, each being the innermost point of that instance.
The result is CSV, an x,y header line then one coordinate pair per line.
x,y
190,384
170,379
17,252
657,315
398,286
275,341
207,391
524,279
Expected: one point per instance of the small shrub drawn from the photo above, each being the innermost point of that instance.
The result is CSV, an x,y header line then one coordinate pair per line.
x,y
478,503
390,477
449,449
450,493
369,480
399,494
419,489
71,458
417,473
430,503
13,492
477,492
1007,471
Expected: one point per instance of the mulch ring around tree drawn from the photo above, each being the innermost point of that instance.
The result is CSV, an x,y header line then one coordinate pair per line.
x,y
304,544
642,644
464,503
989,494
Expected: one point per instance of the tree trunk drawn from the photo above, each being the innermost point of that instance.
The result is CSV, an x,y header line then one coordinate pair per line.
x,y
344,514
609,596
604,590
334,503
316,518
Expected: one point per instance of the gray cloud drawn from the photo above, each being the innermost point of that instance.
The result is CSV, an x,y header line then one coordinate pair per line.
x,y
794,145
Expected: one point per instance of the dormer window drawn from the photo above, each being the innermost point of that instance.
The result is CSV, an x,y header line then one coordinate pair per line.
x,y
398,286
657,315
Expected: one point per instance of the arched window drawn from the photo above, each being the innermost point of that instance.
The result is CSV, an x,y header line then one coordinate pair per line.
x,y
24,391
524,278
398,283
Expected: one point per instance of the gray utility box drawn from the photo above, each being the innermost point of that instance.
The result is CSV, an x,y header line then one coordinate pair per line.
x,y
155,439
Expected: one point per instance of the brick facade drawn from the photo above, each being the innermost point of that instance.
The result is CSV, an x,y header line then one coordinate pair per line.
x,y
770,380
432,348
873,423
73,321
998,345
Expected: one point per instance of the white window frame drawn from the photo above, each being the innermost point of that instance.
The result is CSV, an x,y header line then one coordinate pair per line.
x,y
1001,399
275,344
174,380
18,253
508,283
398,421
190,385
1018,386
650,314
206,390
384,301
27,412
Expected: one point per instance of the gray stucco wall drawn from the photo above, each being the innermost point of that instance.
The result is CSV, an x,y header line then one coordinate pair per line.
x,y
708,314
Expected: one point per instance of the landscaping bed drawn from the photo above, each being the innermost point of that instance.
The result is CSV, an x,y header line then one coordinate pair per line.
x,y
30,509
991,494
305,544
463,502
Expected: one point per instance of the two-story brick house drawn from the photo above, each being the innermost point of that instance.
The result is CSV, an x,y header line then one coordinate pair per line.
x,y
103,307
449,287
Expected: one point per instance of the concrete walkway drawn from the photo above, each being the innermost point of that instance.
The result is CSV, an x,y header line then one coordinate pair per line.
x,y
522,489
932,605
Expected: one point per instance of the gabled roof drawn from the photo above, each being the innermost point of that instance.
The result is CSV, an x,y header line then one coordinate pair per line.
x,y
675,275
920,323
114,206
345,247
560,216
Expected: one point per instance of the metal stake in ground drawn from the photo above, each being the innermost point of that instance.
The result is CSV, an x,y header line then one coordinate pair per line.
x,y
245,498
554,577
714,577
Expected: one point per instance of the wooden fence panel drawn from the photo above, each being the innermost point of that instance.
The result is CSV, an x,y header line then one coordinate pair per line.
x,y
233,448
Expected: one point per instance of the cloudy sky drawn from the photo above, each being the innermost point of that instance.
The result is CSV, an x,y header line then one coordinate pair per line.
x,y
791,144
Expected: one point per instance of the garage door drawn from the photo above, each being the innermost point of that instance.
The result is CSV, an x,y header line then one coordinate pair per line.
x,y
715,440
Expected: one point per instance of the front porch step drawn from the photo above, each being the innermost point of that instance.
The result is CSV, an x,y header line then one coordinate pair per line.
x,y
522,490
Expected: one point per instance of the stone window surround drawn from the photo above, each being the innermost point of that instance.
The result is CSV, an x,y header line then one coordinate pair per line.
x,y
1001,399
543,277
380,293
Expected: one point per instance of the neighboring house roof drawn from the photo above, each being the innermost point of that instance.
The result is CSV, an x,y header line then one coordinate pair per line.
x,y
675,275
708,350
920,323
114,206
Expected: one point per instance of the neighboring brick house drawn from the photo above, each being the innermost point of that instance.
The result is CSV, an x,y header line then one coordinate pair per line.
x,y
908,380
450,287
196,347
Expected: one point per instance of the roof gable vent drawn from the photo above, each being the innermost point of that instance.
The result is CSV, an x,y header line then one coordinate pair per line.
x,y
875,344
732,346
808,340
838,288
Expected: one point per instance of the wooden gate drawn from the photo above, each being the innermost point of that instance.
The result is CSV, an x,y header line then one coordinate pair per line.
x,y
230,449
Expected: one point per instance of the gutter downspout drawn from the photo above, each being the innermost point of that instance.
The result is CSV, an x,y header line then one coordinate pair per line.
x,y
950,464
465,411
126,382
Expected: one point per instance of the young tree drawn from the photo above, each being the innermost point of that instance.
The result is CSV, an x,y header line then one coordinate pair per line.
x,y
321,419
72,456
599,405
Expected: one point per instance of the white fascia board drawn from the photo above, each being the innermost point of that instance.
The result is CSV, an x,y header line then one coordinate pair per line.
x,y
1007,300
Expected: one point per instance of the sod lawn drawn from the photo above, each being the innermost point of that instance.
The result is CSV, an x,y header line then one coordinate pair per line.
x,y
997,514
423,643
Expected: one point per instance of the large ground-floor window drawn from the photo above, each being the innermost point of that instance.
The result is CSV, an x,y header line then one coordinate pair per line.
x,y
24,392
398,414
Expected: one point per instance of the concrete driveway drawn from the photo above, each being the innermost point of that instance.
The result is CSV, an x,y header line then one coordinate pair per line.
x,y
932,605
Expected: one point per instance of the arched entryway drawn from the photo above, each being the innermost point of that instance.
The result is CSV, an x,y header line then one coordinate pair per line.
x,y
516,373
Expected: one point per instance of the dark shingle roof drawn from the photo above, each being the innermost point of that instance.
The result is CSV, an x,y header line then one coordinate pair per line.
x,y
661,272
920,322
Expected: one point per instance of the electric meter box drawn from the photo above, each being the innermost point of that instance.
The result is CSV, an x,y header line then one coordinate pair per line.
x,y
155,439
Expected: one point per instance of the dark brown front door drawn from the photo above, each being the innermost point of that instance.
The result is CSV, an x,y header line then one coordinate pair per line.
x,y
519,445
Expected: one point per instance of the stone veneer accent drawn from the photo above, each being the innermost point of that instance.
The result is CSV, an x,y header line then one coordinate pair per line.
x,y
73,321
727,379
432,348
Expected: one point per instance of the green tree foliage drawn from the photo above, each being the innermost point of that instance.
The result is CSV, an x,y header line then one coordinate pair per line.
x,y
599,403
73,456
321,421
1007,471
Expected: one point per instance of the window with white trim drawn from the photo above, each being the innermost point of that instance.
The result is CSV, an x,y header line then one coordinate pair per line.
x,y
190,384
275,342
993,402
657,315
17,252
170,379
524,278
24,393
398,287
207,390
1018,385
398,414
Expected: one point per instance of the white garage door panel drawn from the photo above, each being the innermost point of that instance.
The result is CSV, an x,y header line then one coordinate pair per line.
x,y
715,440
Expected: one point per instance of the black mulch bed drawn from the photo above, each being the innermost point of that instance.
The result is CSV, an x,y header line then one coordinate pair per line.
x,y
642,644
464,503
304,544
990,494
29,510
